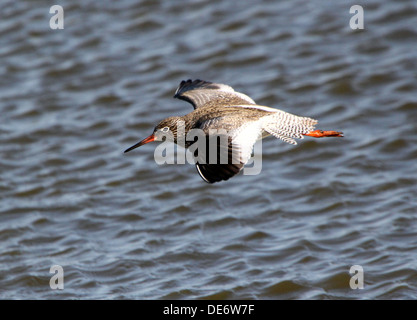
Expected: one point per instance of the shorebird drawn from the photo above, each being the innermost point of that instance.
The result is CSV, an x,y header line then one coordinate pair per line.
x,y
219,107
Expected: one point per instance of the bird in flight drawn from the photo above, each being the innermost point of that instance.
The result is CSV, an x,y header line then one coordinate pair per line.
x,y
231,122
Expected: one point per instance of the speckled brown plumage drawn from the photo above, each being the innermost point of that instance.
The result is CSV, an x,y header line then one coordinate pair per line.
x,y
218,108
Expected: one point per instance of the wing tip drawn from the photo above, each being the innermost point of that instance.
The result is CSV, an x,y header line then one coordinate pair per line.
x,y
217,173
202,175
185,84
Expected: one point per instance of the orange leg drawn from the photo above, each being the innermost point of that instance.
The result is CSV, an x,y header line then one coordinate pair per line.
x,y
321,134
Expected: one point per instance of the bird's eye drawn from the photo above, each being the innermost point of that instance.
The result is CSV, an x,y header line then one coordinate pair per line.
x,y
165,129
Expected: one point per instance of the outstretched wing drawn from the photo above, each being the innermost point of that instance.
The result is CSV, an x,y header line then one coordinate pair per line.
x,y
215,172
202,93
217,161
225,152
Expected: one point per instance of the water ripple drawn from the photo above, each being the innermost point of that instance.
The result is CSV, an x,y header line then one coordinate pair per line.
x,y
124,227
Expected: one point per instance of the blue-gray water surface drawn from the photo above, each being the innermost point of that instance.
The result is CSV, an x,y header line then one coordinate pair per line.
x,y
123,227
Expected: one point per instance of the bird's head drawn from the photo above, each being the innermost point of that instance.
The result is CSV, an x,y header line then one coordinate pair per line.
x,y
168,128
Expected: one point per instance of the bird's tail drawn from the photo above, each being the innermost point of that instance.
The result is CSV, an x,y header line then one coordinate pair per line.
x,y
287,126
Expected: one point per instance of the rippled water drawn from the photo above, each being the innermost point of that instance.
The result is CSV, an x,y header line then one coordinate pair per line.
x,y
123,227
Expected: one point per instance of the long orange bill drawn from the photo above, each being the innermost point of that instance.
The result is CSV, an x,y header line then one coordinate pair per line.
x,y
141,143
321,134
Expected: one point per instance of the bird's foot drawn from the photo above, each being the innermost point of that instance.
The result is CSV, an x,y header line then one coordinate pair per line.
x,y
322,133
